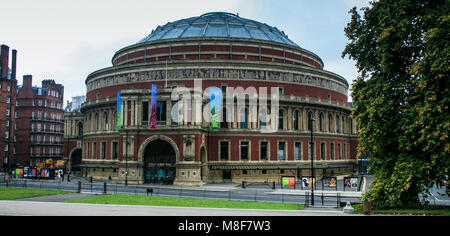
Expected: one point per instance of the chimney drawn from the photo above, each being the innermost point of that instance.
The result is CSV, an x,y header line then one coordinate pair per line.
x,y
13,64
27,81
4,60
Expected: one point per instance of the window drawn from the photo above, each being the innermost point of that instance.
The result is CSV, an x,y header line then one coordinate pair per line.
x,y
224,147
281,151
97,122
8,100
280,120
80,129
310,117
244,150
321,122
262,118
105,118
263,150
161,111
330,123
339,151
103,150
243,118
345,151
322,151
310,150
296,119
332,151
224,123
94,150
298,151
337,124
343,124
145,111
115,150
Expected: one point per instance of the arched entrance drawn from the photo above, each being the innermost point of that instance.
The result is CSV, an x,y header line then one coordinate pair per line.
x,y
159,162
75,161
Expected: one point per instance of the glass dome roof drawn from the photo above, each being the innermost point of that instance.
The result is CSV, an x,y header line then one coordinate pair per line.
x,y
218,24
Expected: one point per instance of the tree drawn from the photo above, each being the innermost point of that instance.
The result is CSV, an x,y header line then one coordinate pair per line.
x,y
401,96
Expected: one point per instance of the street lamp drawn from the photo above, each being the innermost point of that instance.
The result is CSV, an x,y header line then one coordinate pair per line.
x,y
312,161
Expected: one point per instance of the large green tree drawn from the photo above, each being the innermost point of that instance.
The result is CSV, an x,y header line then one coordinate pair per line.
x,y
401,96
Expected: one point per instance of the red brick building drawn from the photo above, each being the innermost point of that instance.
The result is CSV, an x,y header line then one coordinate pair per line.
x,y
8,88
40,122
225,51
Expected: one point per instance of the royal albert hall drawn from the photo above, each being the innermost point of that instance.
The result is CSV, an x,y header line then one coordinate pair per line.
x,y
220,50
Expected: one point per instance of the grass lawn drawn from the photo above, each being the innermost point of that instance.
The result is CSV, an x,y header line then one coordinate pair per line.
x,y
120,199
9,193
426,210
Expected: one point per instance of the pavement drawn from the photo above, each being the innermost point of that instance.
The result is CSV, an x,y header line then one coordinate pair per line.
x,y
35,208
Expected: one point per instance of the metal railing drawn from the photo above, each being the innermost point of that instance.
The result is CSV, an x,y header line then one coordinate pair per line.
x,y
331,199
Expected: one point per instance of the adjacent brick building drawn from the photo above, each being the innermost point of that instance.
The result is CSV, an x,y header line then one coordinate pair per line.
x,y
40,122
8,88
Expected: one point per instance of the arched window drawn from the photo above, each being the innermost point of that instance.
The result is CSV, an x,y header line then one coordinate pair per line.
x,y
263,118
97,122
80,129
105,119
310,117
330,123
338,130
321,121
296,119
243,118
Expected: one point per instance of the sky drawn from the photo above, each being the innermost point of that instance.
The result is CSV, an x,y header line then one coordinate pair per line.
x,y
66,40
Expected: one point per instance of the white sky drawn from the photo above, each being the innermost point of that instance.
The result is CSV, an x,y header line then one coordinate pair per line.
x,y
66,40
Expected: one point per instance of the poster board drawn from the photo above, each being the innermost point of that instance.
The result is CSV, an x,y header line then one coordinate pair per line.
x,y
307,182
287,181
350,182
330,182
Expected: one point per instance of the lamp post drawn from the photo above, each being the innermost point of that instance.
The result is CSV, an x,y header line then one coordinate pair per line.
x,y
312,161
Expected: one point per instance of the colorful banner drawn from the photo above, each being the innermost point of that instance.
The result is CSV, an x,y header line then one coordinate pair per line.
x,y
308,181
45,173
215,106
288,181
153,109
119,111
